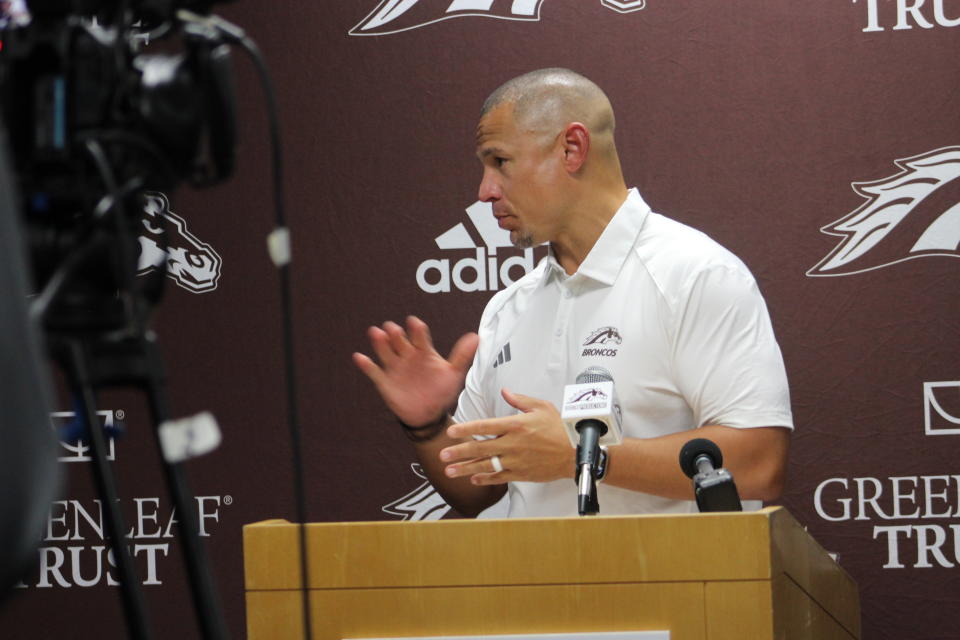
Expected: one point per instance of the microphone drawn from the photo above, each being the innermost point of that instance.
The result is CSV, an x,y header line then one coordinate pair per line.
x,y
702,461
591,415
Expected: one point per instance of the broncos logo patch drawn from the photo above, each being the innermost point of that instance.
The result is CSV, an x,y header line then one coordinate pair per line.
x,y
912,214
192,264
604,335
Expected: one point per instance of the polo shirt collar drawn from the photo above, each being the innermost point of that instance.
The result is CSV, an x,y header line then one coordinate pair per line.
x,y
607,256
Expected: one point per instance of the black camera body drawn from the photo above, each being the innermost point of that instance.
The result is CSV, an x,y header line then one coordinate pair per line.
x,y
95,121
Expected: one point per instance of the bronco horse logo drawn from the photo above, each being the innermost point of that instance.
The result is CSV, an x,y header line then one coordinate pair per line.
x,y
604,335
192,264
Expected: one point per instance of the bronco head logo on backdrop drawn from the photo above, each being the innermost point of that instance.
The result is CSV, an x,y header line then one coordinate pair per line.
x,y
192,264
394,16
913,214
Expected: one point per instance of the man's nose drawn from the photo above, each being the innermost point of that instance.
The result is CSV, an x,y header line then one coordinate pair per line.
x,y
489,188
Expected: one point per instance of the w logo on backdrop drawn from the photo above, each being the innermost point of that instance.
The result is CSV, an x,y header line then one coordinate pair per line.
x,y
913,214
192,264
423,503
394,16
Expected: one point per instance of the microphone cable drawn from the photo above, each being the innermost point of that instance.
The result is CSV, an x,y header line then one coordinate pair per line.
x,y
278,245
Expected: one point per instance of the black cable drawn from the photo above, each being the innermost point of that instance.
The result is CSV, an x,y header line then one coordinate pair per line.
x,y
235,34
128,261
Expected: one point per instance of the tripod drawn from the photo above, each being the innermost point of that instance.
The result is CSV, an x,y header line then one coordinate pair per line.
x,y
94,360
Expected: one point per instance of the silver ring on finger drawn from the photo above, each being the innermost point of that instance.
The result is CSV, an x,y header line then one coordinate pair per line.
x,y
497,465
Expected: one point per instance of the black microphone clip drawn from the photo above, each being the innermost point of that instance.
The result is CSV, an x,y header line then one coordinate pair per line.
x,y
588,465
702,461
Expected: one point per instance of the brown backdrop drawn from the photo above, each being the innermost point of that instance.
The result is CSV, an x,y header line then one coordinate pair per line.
x,y
760,123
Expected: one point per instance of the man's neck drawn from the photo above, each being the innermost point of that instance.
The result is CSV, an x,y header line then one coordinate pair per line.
x,y
572,245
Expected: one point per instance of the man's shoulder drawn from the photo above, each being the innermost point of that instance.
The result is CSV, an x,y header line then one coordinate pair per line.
x,y
675,254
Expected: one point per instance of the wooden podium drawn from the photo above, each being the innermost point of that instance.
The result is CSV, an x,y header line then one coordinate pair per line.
x,y
713,576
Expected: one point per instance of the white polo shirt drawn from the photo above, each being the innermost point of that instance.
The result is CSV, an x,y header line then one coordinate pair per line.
x,y
676,319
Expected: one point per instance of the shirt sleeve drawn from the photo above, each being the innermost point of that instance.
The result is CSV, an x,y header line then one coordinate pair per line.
x,y
475,400
471,404
726,360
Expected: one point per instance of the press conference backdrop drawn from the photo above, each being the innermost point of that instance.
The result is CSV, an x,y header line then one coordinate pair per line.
x,y
819,141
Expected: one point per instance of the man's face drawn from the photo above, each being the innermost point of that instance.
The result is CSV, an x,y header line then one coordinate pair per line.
x,y
520,177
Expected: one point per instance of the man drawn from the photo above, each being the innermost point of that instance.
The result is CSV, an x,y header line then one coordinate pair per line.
x,y
675,318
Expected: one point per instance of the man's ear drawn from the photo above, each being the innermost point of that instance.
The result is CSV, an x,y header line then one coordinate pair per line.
x,y
576,146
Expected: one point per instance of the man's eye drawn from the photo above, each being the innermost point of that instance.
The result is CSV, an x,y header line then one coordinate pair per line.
x,y
499,161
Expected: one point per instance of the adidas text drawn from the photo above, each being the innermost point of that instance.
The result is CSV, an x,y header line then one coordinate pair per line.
x,y
481,272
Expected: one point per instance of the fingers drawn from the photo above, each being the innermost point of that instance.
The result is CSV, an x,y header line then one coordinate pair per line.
x,y
419,333
380,342
392,342
521,402
369,368
398,338
389,343
480,471
491,427
468,451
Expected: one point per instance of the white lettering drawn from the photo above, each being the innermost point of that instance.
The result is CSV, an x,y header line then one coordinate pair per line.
x,y
203,514
941,17
168,532
525,263
79,512
143,516
926,497
61,519
873,24
75,573
48,568
893,549
478,273
924,546
903,8
931,495
492,271
443,284
898,497
863,500
818,501
151,550
112,561
91,565
479,283
956,542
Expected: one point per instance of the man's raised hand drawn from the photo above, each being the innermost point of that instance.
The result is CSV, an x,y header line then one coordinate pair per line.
x,y
416,383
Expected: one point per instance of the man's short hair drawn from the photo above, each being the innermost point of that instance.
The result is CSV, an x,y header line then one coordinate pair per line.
x,y
544,95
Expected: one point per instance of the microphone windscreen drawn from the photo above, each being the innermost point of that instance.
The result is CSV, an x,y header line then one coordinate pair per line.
x,y
594,374
694,449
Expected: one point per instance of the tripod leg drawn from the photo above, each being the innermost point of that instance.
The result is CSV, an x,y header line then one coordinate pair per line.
x,y
134,606
206,602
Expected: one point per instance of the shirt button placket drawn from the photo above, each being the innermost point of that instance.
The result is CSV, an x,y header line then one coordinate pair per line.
x,y
558,350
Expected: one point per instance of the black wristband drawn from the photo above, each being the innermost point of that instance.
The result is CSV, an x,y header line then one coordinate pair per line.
x,y
603,464
426,432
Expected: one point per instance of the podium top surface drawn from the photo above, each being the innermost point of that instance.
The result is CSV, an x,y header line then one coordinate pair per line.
x,y
760,545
